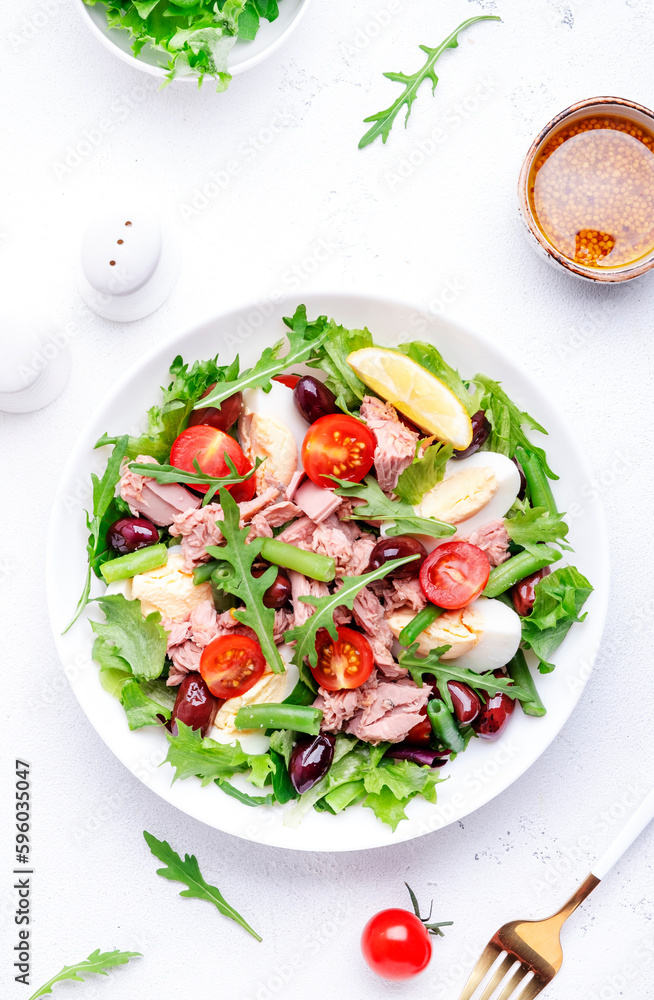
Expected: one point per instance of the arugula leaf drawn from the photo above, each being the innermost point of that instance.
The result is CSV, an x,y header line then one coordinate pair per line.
x,y
188,872
240,556
304,636
103,516
166,422
384,119
559,599
139,708
379,507
171,474
304,340
430,358
534,525
140,642
340,342
447,670
96,964
193,756
423,473
247,800
506,422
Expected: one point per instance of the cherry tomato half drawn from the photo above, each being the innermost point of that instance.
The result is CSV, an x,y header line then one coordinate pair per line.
x,y
454,574
209,446
290,381
337,445
396,944
346,663
231,665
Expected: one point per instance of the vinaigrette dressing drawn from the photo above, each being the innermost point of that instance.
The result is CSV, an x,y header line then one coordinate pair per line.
x,y
591,191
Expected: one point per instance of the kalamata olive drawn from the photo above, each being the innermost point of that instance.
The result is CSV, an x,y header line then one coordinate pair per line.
x,y
523,593
492,720
310,761
398,548
222,419
466,702
523,479
433,758
313,399
279,592
131,533
195,705
480,431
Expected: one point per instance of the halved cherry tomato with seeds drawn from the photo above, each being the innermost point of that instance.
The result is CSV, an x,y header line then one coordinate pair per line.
x,y
231,665
344,663
454,574
337,445
209,446
290,381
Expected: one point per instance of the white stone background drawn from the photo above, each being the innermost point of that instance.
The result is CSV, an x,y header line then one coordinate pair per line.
x,y
445,237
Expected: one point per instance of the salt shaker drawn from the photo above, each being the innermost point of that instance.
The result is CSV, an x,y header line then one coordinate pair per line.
x,y
129,263
34,361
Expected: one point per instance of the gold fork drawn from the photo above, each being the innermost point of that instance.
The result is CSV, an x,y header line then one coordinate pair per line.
x,y
533,947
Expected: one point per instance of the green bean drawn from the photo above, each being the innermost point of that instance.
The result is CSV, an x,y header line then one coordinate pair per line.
x,y
417,625
520,674
444,726
222,599
517,568
299,718
124,567
540,491
202,573
310,564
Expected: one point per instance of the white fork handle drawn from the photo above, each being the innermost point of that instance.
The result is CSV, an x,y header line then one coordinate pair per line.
x,y
644,814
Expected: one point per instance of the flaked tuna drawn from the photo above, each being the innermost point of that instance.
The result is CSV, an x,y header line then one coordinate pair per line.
x,y
396,443
160,502
492,539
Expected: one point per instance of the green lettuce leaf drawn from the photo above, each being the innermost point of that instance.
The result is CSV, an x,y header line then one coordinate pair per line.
x,y
193,756
140,642
559,599
340,342
534,525
140,709
423,473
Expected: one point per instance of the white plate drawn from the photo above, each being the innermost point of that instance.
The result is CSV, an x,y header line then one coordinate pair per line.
x,y
485,769
243,56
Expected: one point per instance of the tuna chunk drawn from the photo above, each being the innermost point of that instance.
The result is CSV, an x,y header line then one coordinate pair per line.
x,y
301,586
492,539
396,443
393,713
342,540
316,502
397,594
198,529
338,707
160,502
186,640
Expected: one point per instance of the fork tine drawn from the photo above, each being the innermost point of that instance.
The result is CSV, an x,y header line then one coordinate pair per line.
x,y
497,977
486,959
532,989
514,982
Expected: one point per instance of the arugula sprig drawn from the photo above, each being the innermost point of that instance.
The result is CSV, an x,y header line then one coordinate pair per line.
x,y
507,423
171,474
304,636
378,507
447,670
105,512
423,473
304,340
240,556
384,120
96,964
187,871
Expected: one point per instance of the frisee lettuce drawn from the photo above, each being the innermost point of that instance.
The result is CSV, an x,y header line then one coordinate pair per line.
x,y
194,756
139,642
534,525
423,473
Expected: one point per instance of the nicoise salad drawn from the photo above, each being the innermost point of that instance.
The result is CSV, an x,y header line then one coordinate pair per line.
x,y
323,572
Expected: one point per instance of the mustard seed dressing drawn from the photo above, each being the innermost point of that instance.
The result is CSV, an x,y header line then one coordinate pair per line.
x,y
591,191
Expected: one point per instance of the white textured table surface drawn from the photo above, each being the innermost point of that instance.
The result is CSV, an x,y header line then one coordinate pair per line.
x,y
432,224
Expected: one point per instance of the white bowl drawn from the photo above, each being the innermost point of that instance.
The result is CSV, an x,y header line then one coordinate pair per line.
x,y
485,769
243,56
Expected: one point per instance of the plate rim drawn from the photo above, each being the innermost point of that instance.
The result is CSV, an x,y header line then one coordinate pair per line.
x,y
313,299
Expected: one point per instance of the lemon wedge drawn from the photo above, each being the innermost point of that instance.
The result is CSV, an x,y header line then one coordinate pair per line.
x,y
415,392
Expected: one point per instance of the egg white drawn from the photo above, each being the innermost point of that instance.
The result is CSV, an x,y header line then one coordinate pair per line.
x,y
499,639
279,404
